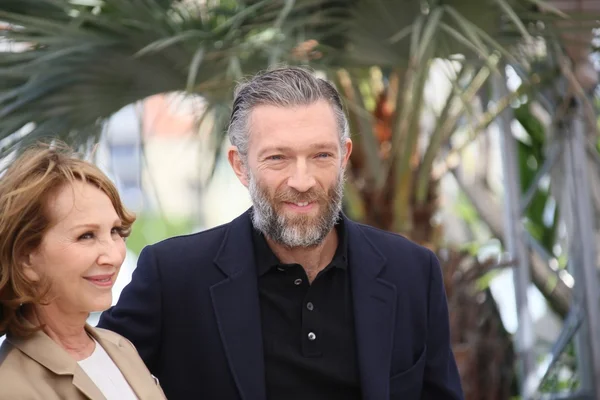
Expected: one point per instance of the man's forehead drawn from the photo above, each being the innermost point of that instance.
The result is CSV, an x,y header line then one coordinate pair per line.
x,y
267,117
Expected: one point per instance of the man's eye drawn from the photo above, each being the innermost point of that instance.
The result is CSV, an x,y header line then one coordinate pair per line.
x,y
275,157
324,155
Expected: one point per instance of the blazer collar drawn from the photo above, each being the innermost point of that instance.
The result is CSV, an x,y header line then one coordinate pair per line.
x,y
122,355
42,349
45,351
238,243
237,309
236,252
375,301
49,354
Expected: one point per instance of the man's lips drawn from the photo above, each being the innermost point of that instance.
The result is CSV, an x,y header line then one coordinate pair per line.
x,y
301,206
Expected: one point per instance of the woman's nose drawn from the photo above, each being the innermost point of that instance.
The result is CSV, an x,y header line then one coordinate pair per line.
x,y
112,252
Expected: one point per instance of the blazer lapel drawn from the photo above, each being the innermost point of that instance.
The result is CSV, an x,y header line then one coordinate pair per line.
x,y
236,306
139,379
374,313
45,351
83,382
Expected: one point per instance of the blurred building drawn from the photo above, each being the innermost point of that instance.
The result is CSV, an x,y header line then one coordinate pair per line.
x,y
160,160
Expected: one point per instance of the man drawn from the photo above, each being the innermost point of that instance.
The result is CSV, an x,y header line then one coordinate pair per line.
x,y
291,300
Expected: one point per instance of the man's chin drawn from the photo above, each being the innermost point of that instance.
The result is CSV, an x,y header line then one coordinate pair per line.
x,y
302,240
296,221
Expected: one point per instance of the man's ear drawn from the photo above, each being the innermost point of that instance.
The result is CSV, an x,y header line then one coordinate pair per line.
x,y
238,165
347,150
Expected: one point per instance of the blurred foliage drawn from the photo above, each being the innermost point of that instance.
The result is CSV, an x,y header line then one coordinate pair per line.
x,y
531,157
151,228
78,62
70,65
563,376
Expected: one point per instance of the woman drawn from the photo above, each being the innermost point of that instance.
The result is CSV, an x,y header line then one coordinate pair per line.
x,y
62,232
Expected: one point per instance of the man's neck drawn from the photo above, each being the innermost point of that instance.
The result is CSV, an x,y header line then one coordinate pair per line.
x,y
312,259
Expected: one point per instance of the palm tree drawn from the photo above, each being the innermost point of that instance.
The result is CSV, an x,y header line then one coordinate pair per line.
x,y
69,65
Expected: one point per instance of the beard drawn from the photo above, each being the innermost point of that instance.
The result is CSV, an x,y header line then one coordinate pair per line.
x,y
299,230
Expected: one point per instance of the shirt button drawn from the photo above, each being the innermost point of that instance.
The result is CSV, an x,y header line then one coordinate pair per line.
x,y
311,336
310,306
297,281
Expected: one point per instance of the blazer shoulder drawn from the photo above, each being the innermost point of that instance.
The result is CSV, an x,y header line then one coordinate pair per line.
x,y
16,372
114,338
406,261
7,355
390,241
107,335
11,359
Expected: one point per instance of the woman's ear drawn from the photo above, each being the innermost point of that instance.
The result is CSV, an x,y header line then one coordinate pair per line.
x,y
28,269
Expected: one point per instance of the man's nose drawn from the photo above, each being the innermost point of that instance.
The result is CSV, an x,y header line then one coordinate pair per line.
x,y
302,179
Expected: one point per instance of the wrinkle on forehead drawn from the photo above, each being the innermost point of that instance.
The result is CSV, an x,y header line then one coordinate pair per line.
x,y
316,119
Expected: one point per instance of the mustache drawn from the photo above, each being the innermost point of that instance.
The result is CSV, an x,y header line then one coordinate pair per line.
x,y
294,196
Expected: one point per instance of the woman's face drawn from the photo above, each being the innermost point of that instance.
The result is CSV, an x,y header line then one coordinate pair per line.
x,y
81,252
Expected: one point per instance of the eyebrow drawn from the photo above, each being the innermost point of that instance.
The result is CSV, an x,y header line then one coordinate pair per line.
x,y
284,149
93,226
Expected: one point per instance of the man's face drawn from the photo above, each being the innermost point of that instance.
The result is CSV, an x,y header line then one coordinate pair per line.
x,y
295,172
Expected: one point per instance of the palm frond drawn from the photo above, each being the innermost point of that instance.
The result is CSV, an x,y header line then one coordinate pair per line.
x,y
66,70
68,65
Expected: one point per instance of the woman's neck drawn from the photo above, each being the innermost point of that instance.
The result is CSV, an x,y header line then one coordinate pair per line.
x,y
66,329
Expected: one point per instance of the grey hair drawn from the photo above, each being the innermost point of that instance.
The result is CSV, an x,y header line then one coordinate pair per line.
x,y
283,87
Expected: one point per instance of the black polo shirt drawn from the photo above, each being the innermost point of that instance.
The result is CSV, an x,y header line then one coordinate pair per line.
x,y
308,329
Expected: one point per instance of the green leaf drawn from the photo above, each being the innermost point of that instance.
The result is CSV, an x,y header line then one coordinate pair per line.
x,y
463,40
401,34
162,44
546,6
514,18
497,46
471,36
431,29
194,66
416,35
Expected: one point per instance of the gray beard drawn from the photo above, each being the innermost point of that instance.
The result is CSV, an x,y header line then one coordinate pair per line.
x,y
289,233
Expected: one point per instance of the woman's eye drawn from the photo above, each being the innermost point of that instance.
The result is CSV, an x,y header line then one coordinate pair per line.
x,y
85,236
117,231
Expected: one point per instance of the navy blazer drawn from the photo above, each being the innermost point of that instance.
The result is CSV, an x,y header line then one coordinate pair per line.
x,y
192,311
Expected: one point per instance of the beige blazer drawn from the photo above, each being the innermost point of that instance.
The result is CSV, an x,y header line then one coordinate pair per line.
x,y
37,368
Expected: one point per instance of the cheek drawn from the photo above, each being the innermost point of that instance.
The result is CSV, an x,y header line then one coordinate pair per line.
x,y
327,177
122,248
273,180
77,260
48,257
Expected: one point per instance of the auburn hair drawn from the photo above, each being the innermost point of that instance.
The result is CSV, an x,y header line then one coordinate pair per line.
x,y
39,172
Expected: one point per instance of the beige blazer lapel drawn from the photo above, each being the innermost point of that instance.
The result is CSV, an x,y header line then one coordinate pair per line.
x,y
82,382
48,353
126,358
